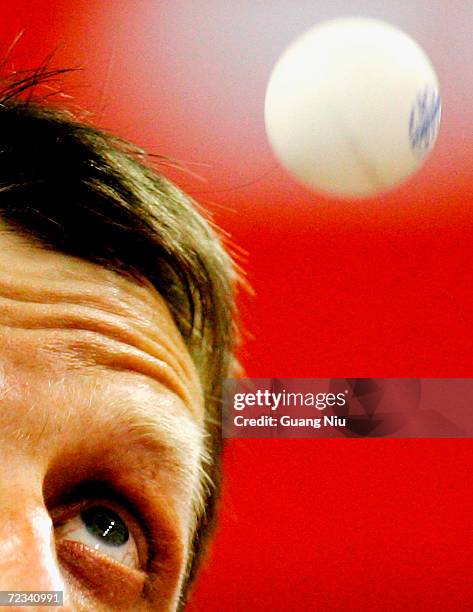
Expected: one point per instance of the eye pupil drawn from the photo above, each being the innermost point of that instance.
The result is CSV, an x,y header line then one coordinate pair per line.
x,y
106,525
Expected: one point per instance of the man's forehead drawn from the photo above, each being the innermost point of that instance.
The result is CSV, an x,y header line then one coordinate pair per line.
x,y
27,269
59,312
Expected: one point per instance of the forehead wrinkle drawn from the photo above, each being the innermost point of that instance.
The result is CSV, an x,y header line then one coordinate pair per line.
x,y
36,275
85,296
61,352
30,272
149,339
107,293
28,268
98,287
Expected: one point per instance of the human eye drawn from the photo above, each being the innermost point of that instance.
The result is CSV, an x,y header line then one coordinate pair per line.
x,y
105,529
102,539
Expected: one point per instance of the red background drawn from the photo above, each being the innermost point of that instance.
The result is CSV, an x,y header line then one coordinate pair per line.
x,y
380,287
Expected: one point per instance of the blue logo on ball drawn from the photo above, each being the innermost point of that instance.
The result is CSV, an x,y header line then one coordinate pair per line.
x,y
424,120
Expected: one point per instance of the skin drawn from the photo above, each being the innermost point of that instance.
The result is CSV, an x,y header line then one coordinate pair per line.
x,y
100,405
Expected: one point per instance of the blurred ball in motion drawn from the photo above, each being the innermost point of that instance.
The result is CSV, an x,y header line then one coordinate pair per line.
x,y
352,107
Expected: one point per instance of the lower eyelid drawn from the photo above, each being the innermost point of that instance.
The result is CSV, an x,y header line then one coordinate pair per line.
x,y
106,578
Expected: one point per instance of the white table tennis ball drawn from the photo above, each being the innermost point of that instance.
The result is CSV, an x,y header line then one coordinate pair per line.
x,y
352,107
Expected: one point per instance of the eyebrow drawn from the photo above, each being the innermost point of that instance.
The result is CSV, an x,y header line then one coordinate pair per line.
x,y
163,427
160,445
163,431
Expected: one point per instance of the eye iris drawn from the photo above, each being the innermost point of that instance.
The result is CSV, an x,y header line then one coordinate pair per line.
x,y
105,524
